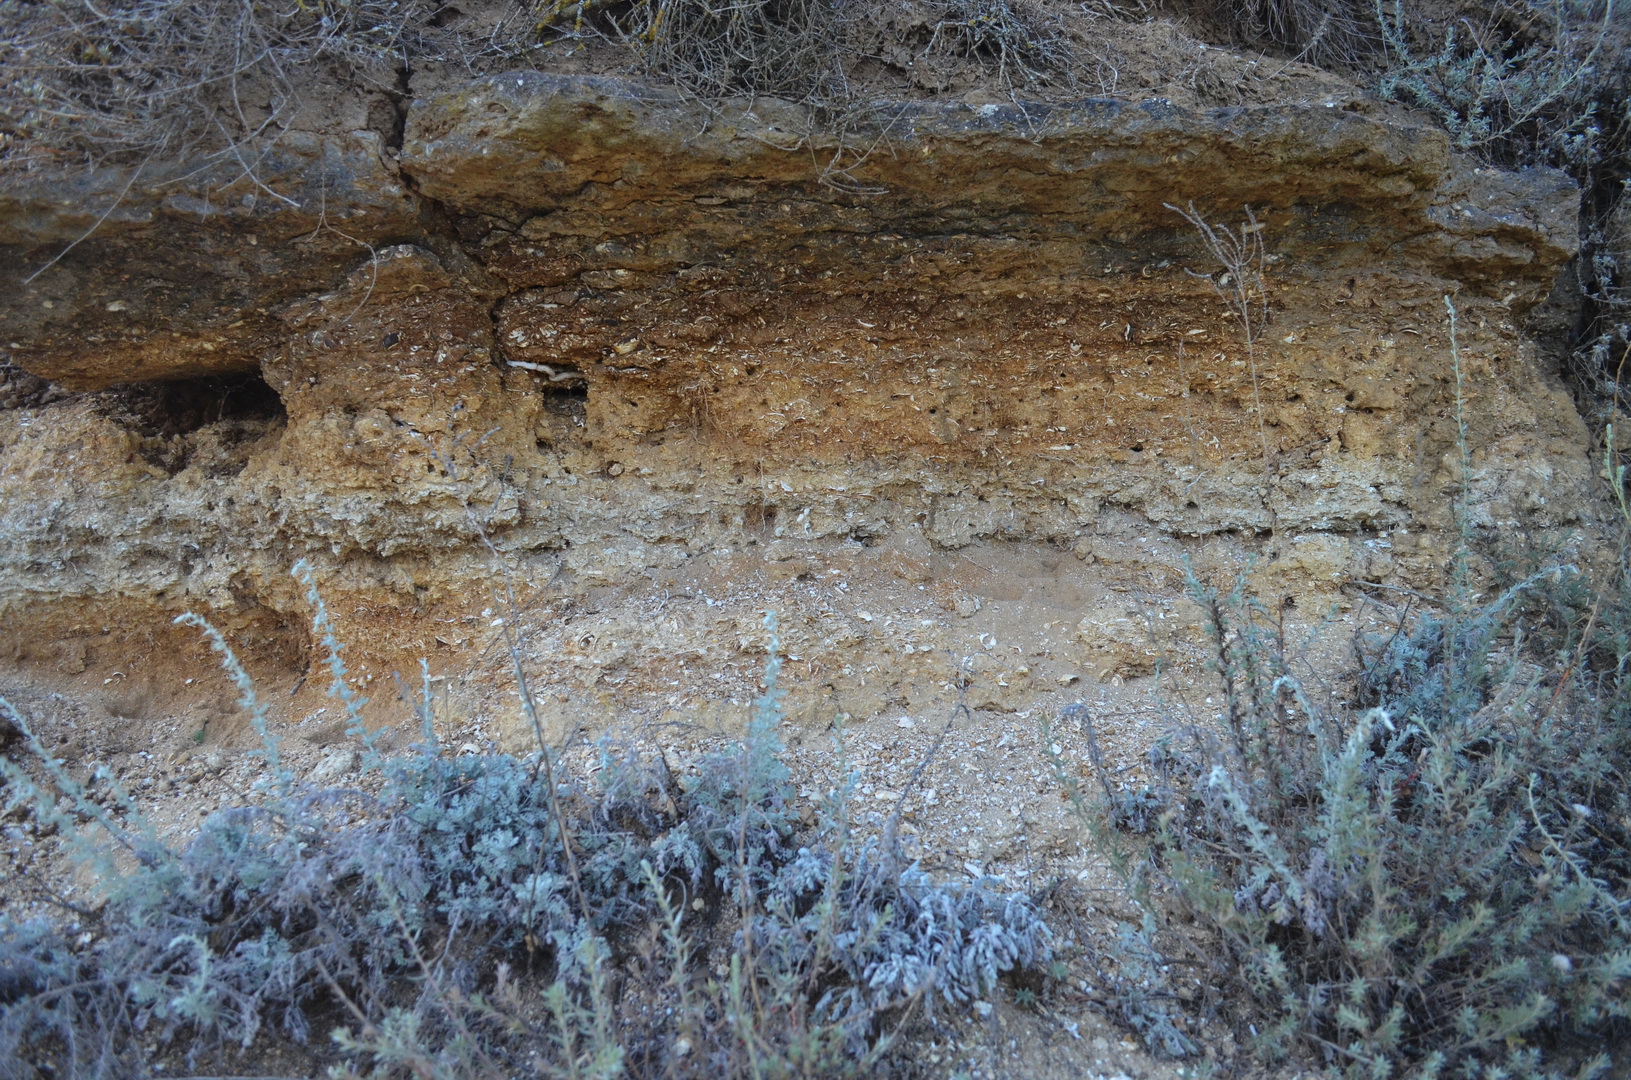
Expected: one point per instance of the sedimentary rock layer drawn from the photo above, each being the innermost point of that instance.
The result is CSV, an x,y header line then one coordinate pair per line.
x,y
603,347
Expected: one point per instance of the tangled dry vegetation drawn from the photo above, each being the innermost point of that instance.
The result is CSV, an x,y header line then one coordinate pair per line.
x,y
141,80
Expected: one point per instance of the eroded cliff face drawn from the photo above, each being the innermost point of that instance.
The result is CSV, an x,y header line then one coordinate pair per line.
x,y
967,394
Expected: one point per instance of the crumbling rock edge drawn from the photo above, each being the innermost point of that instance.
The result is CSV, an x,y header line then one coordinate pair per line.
x,y
222,250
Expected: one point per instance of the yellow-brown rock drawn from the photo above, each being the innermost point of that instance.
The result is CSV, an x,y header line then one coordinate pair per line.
x,y
586,362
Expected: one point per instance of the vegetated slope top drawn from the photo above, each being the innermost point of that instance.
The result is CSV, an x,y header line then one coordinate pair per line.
x,y
143,81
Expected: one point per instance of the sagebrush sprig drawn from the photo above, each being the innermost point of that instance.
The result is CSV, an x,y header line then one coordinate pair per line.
x,y
322,628
248,700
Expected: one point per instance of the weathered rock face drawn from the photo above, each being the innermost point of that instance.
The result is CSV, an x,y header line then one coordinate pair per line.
x,y
184,274
965,379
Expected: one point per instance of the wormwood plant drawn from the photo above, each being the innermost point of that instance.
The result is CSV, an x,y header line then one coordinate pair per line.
x,y
480,916
1516,81
1433,881
1435,885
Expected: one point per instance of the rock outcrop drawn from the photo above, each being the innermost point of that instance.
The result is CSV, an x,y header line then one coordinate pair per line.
x,y
624,373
